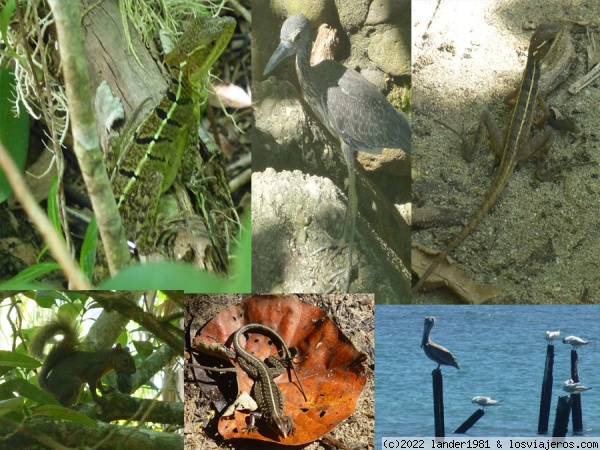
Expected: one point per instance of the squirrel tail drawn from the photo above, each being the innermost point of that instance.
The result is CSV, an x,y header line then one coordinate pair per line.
x,y
61,324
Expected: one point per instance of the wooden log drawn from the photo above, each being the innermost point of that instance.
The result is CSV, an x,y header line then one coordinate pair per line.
x,y
574,366
576,413
576,398
438,402
472,420
546,397
561,422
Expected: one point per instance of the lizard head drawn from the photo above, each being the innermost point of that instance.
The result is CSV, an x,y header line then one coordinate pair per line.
x,y
543,40
200,45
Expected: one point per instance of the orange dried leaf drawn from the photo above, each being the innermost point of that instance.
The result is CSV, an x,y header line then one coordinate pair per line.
x,y
328,365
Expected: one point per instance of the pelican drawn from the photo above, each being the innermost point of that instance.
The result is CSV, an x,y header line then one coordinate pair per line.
x,y
575,341
574,388
484,401
551,335
433,351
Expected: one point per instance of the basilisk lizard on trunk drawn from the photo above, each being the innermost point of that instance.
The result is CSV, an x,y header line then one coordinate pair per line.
x,y
516,146
265,391
144,166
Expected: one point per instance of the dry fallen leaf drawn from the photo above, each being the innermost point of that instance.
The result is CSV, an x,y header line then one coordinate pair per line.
x,y
450,275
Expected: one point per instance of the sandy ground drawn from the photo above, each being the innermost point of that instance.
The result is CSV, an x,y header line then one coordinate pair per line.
x,y
540,242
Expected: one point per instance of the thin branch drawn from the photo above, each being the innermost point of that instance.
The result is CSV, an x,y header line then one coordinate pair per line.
x,y
85,138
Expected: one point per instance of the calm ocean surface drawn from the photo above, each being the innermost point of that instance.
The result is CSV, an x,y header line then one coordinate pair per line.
x,y
501,351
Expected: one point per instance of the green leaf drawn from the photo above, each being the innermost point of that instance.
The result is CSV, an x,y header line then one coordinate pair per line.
x,y
70,309
14,132
52,210
41,297
61,412
53,206
14,359
25,279
87,257
166,275
242,266
49,297
144,348
11,405
5,17
122,339
27,389
46,299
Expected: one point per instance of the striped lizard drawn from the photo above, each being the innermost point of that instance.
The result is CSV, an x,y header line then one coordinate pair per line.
x,y
516,146
266,392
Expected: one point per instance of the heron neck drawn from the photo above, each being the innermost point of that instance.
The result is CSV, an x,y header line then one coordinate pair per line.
x,y
303,63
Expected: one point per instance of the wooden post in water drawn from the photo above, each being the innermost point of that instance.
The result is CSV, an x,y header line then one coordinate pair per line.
x,y
546,391
470,421
576,398
438,402
561,421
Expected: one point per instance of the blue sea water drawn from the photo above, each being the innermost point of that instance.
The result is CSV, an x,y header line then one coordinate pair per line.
x,y
501,351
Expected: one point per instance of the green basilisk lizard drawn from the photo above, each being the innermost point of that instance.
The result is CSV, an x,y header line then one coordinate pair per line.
x,y
145,166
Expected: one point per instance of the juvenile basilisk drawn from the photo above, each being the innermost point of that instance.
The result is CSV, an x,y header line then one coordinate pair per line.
x,y
516,146
145,165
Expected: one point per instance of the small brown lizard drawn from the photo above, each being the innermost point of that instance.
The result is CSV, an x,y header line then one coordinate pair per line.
x,y
265,391
516,146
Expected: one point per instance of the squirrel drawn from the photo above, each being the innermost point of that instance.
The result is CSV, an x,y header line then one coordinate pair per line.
x,y
66,368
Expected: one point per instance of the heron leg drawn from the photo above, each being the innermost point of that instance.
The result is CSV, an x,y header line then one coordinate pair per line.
x,y
350,220
347,239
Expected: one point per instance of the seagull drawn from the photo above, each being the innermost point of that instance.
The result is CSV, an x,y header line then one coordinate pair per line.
x,y
575,341
574,388
484,401
433,351
551,335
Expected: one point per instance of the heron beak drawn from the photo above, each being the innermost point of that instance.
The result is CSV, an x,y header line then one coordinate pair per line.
x,y
284,50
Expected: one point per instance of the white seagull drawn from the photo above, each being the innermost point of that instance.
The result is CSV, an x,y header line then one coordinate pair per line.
x,y
551,335
484,401
433,351
574,388
575,341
